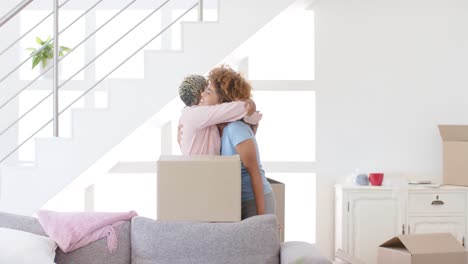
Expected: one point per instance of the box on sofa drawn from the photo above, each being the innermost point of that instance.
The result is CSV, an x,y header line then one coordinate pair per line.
x,y
185,188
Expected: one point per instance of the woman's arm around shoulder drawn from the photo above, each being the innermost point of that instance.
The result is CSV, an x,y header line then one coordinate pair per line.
x,y
205,116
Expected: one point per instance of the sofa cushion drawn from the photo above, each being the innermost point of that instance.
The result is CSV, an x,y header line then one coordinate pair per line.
x,y
94,253
19,222
14,243
301,252
254,240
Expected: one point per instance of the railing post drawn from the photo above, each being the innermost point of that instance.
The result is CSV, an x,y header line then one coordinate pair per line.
x,y
200,10
56,71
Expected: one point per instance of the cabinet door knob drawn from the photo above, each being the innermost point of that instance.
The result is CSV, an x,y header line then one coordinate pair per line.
x,y
403,229
437,202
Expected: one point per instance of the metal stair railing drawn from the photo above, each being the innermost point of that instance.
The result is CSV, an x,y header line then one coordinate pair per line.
x,y
15,10
56,111
50,67
60,59
49,41
80,70
30,30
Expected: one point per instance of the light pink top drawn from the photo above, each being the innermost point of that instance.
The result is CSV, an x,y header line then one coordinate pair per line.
x,y
200,133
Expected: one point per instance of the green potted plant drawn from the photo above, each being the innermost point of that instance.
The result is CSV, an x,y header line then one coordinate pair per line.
x,y
44,57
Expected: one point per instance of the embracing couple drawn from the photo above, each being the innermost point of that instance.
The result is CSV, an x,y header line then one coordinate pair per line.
x,y
221,119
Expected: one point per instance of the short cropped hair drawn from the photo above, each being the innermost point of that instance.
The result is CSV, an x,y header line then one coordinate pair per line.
x,y
191,88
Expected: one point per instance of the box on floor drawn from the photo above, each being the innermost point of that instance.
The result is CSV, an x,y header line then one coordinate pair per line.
x,y
279,191
422,249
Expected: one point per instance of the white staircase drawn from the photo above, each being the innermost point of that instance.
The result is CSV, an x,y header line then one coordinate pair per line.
x,y
23,190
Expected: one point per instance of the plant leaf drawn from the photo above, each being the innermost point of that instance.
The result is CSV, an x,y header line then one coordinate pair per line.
x,y
31,49
44,62
36,60
49,53
46,52
63,50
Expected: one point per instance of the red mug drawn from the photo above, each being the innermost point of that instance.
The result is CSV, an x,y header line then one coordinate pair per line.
x,y
376,178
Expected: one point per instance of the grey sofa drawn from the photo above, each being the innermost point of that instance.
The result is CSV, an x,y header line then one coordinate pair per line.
x,y
145,241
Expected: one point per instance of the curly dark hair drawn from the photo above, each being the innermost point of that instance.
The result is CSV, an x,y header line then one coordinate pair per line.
x,y
229,85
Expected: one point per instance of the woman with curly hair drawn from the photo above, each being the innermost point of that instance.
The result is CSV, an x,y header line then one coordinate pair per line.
x,y
226,85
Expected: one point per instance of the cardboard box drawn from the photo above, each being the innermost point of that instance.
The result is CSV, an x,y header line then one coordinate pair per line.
x,y
422,249
455,149
343,258
278,190
199,188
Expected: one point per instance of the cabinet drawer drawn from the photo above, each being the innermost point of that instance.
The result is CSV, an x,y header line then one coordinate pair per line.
x,y
433,224
436,203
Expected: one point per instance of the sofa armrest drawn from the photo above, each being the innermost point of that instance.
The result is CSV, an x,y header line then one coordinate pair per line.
x,y
297,252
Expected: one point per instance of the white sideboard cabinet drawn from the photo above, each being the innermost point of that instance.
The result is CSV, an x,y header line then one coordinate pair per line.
x,y
367,216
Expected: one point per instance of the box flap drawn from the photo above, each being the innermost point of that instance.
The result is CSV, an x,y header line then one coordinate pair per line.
x,y
393,243
274,181
431,243
454,132
198,158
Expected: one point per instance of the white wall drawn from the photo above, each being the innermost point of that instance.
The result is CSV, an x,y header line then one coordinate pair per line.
x,y
387,73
